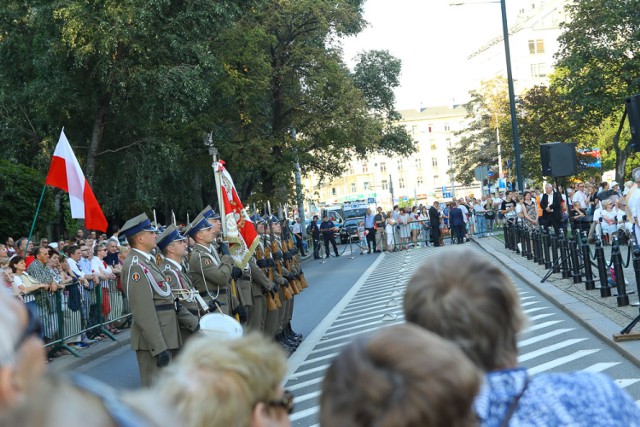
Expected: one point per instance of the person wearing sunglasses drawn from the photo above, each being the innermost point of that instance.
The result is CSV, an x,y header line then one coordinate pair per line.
x,y
232,382
22,355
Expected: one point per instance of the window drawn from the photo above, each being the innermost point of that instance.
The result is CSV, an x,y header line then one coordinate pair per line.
x,y
536,46
333,191
366,185
414,129
350,169
434,162
400,165
447,127
401,183
365,167
538,70
430,127
385,185
419,180
353,187
383,167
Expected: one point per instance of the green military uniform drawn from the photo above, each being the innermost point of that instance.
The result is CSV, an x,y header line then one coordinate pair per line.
x,y
179,280
210,275
253,284
155,324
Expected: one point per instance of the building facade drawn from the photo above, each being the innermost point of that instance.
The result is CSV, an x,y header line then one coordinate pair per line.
x,y
425,175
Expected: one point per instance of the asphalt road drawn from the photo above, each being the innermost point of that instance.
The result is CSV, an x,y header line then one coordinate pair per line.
x,y
328,283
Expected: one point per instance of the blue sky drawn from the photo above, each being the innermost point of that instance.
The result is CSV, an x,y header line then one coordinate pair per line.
x,y
433,41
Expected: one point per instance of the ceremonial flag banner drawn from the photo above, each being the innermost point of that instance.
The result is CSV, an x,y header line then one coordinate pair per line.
x,y
65,173
239,227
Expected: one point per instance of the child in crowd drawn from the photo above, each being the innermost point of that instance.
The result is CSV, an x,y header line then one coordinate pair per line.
x,y
362,237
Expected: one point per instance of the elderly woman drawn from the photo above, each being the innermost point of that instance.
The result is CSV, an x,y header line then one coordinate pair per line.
x,y
476,306
228,382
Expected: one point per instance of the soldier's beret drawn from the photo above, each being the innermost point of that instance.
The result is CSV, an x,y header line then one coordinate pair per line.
x,y
170,234
136,225
200,223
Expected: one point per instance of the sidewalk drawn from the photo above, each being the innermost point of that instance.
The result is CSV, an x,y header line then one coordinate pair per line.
x,y
600,315
102,348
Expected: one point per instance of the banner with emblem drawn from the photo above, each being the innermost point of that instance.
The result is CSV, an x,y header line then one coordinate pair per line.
x,y
239,229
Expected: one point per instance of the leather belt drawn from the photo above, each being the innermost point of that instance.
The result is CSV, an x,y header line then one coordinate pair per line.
x,y
222,291
165,307
194,312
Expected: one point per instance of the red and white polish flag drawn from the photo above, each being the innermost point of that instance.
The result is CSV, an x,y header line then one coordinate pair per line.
x,y
65,173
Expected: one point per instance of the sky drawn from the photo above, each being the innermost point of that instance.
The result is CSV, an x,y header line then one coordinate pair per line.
x,y
433,40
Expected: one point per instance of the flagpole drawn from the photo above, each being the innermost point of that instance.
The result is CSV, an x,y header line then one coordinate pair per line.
x,y
35,217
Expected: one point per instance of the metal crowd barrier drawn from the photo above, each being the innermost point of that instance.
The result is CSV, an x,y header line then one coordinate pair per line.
x,y
69,313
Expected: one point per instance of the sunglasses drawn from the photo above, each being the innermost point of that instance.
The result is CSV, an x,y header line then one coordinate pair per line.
x,y
33,328
285,402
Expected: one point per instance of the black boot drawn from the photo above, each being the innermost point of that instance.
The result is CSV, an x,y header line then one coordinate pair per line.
x,y
292,332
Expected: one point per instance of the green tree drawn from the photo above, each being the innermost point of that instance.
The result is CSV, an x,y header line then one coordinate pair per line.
x,y
598,64
20,190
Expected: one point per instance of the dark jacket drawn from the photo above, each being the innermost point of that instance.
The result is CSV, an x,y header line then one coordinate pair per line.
x,y
434,217
555,204
314,230
456,217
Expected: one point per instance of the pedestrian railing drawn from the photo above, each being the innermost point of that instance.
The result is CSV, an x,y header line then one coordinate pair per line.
x,y
74,311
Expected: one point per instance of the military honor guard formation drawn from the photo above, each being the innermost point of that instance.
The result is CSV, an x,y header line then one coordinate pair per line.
x,y
175,286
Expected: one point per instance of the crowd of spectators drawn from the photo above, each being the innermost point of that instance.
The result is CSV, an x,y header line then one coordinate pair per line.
x,y
58,280
601,209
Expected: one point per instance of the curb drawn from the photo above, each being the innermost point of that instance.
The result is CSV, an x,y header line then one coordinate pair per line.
x,y
68,363
591,319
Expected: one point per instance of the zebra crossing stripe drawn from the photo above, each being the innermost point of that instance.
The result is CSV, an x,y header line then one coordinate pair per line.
x,y
549,349
533,310
561,361
543,337
624,383
307,396
303,414
541,325
599,367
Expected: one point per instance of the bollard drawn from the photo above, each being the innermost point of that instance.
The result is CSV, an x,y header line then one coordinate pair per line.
x,y
616,257
507,237
636,265
589,283
605,290
545,243
536,252
516,238
564,257
530,250
526,243
540,243
575,260
555,248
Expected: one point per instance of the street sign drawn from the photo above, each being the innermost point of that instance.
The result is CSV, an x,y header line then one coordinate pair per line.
x,y
502,184
371,200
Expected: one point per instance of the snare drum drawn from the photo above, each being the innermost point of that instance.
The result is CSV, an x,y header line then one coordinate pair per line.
x,y
218,325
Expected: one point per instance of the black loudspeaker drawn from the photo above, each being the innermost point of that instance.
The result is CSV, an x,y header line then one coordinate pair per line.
x,y
633,113
558,159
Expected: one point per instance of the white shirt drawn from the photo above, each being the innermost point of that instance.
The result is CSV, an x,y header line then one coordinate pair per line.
x,y
73,265
297,229
580,198
465,211
633,202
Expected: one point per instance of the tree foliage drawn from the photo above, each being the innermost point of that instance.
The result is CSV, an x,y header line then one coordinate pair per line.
x,y
137,86
598,64
20,190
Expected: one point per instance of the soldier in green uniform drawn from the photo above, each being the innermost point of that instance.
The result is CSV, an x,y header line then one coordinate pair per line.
x,y
281,276
174,248
209,272
156,321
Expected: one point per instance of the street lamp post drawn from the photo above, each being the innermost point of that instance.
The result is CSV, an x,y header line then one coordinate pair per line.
x,y
299,199
512,97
